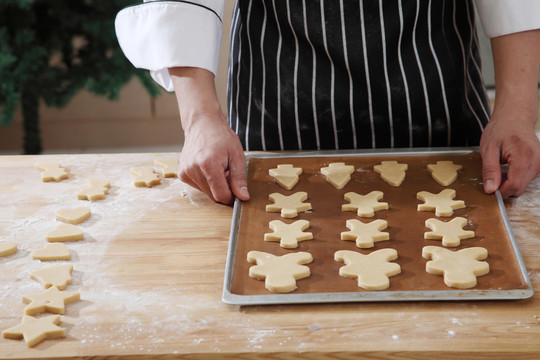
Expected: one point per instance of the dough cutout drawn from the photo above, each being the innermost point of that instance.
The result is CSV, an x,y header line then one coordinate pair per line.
x,y
365,234
392,172
451,233
290,205
279,272
65,232
364,205
35,330
144,176
286,175
372,270
51,300
288,234
7,248
169,167
96,190
51,171
52,252
73,216
444,172
338,174
441,203
59,275
459,268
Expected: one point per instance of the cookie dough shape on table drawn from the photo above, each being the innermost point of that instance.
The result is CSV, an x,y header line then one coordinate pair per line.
x,y
285,175
372,270
51,171
51,300
289,235
169,167
7,248
391,172
459,268
279,272
364,205
442,203
96,190
288,205
338,174
52,252
34,330
444,172
144,176
73,216
59,275
451,232
65,232
365,234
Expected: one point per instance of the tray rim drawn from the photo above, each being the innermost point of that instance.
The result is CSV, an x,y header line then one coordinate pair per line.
x,y
369,296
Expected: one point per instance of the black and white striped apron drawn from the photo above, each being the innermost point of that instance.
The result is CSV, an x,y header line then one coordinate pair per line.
x,y
306,74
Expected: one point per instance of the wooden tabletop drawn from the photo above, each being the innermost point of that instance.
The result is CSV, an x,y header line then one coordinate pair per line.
x,y
150,273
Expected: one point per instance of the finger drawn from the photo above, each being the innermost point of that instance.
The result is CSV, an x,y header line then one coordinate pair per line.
x,y
518,177
196,181
216,181
237,177
491,169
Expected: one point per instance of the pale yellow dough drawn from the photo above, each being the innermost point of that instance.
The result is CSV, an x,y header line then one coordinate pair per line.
x,y
285,175
288,234
169,167
96,190
365,234
144,176
59,275
7,248
459,268
372,271
279,272
364,205
51,171
73,216
65,232
451,233
290,205
392,172
444,172
51,300
34,330
52,252
442,203
338,174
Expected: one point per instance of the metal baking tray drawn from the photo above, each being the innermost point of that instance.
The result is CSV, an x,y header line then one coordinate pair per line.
x,y
238,286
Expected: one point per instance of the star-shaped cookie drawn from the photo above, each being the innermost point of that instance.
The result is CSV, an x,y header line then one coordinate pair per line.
x,y
290,205
51,300
96,190
286,175
35,330
392,172
288,234
444,172
51,171
364,205
365,234
338,174
442,203
144,176
451,233
169,167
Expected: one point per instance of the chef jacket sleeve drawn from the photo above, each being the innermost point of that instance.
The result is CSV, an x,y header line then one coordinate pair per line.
x,y
157,35
502,17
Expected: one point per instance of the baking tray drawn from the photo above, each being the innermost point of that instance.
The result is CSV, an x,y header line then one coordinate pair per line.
x,y
486,214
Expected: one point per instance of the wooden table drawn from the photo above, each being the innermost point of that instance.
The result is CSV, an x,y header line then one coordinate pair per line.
x,y
150,273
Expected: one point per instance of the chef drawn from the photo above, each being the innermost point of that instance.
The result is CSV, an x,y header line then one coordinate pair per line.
x,y
317,75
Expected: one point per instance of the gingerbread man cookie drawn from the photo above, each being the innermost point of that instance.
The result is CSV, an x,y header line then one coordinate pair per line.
x,y
459,268
451,233
392,172
96,190
288,234
169,167
51,171
338,174
364,205
372,270
442,203
365,234
279,272
444,172
34,330
289,206
144,176
286,175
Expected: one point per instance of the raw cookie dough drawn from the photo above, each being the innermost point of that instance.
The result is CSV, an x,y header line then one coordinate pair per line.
x,y
451,233
286,175
144,176
279,272
372,270
338,174
52,252
7,248
392,172
59,275
289,206
51,171
288,234
65,232
444,172
35,330
364,205
169,167
51,300
365,234
441,203
96,190
73,216
460,268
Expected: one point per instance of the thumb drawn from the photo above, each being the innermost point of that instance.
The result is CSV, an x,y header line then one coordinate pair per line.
x,y
491,170
237,177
